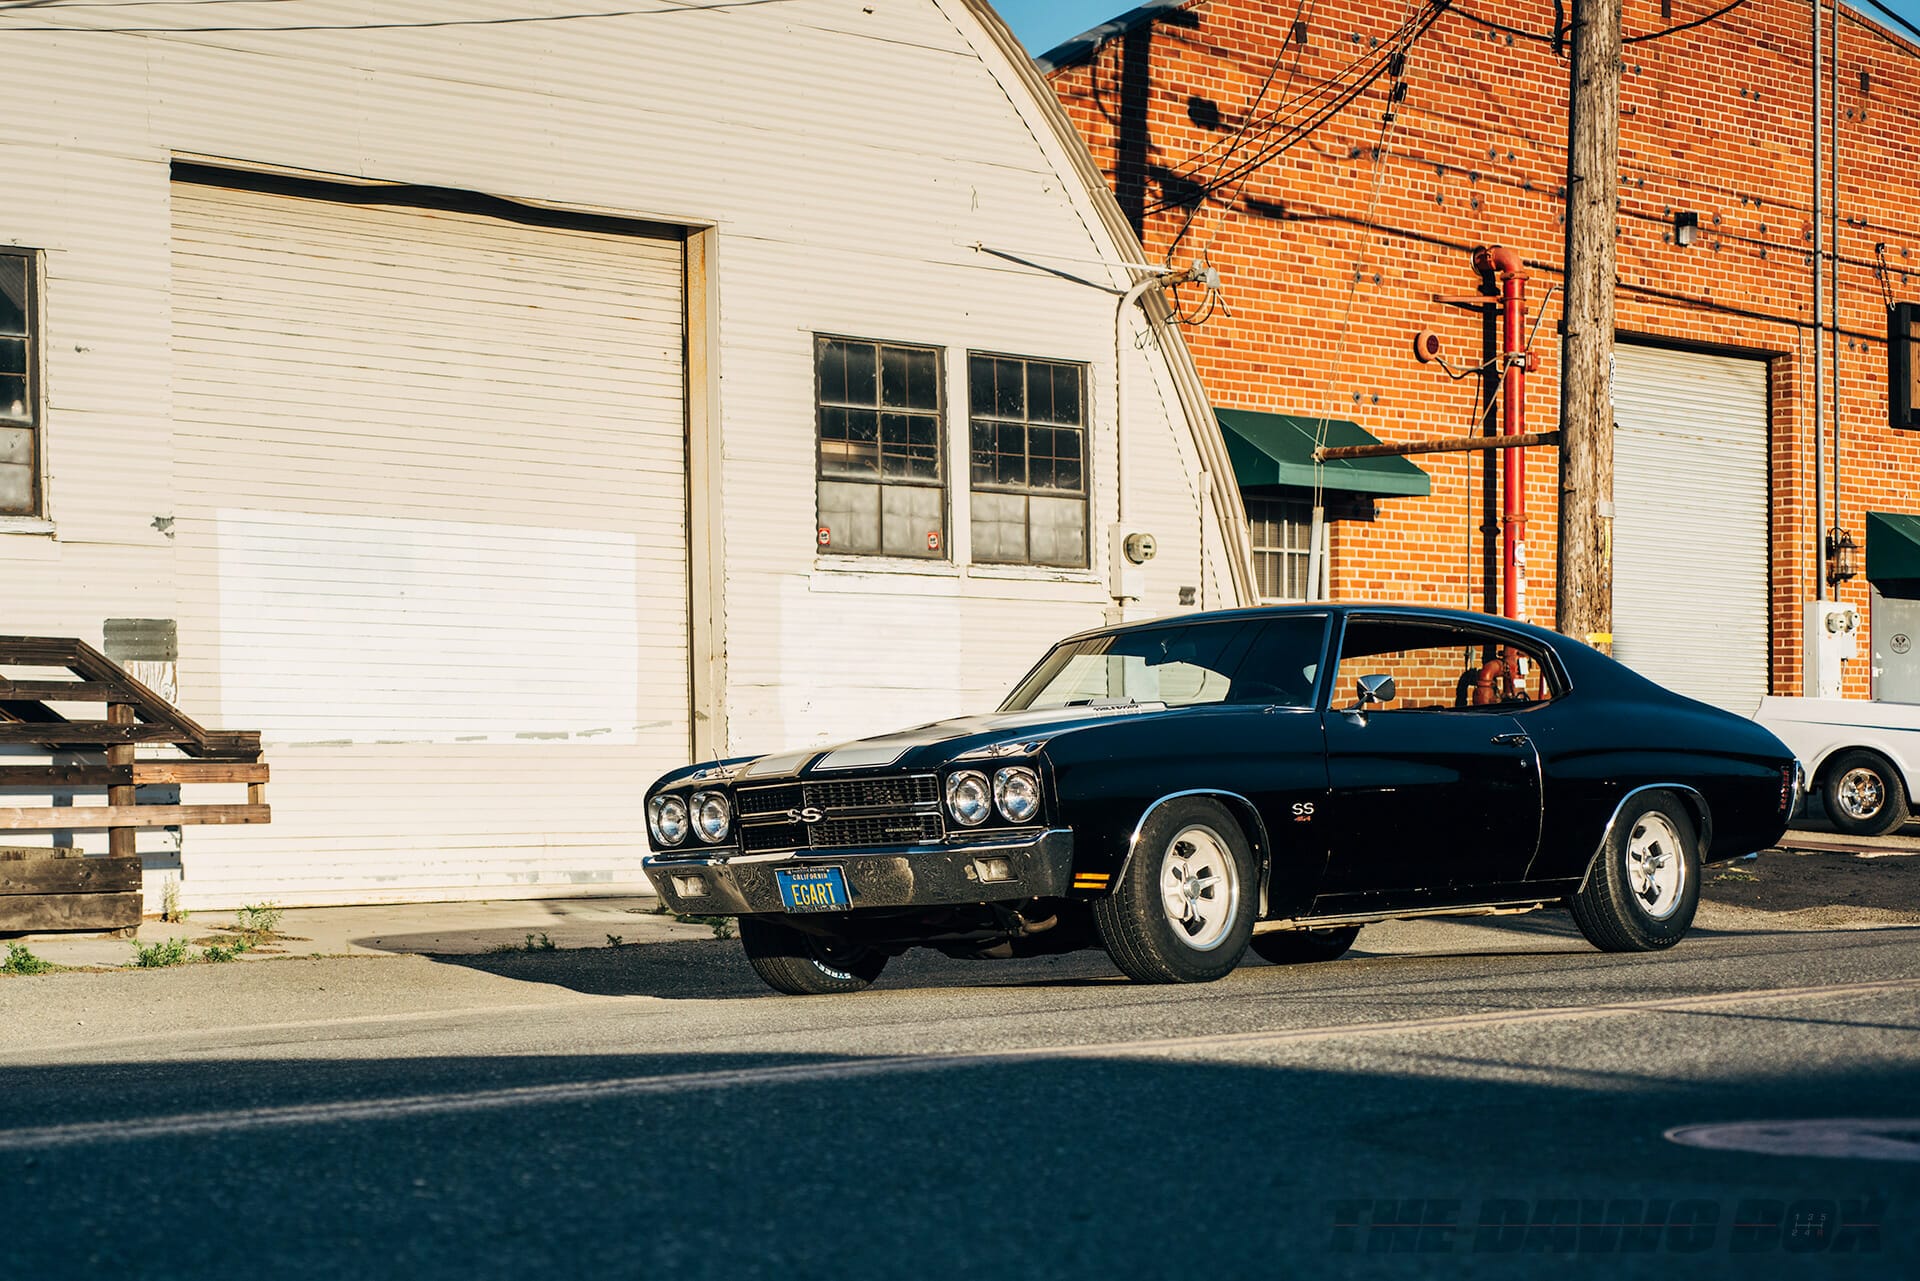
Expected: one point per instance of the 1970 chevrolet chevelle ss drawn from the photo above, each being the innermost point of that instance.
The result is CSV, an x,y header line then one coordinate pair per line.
x,y
1161,788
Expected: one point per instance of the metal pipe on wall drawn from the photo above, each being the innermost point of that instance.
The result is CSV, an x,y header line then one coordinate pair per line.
x,y
1819,343
1833,293
1507,265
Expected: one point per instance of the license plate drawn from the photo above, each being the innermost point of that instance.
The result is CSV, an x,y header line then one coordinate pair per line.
x,y
813,889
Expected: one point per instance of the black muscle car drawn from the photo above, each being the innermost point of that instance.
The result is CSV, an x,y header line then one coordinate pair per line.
x,y
1161,788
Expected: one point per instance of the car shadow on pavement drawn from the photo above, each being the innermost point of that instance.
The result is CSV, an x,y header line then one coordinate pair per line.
x,y
691,1165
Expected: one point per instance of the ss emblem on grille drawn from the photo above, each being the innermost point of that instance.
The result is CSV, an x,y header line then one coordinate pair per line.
x,y
811,814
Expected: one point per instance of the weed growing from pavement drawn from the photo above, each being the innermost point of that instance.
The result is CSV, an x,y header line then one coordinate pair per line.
x,y
614,940
218,952
21,961
535,943
170,909
722,926
155,956
257,920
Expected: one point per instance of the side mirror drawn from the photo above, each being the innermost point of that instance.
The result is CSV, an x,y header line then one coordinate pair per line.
x,y
1373,689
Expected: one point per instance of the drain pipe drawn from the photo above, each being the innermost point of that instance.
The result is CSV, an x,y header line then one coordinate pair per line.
x,y
1514,363
1157,278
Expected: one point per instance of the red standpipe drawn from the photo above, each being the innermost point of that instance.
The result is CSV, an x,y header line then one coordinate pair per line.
x,y
1514,362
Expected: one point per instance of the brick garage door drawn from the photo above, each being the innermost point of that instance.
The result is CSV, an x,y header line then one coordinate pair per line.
x,y
1690,522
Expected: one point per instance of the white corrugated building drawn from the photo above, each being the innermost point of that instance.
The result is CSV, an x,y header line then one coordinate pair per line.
x,y
500,412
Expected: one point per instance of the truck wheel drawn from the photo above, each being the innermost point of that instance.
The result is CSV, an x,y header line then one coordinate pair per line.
x,y
1863,794
1641,892
802,964
1183,909
1304,947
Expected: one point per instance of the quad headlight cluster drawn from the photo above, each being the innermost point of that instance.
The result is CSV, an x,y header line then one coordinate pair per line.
x,y
707,815
1014,792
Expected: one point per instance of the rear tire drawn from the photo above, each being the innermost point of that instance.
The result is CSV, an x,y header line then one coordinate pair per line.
x,y
1644,885
1304,947
1863,794
1183,909
802,964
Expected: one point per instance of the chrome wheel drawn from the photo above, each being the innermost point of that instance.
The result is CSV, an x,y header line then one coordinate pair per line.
x,y
1861,794
1656,865
1200,887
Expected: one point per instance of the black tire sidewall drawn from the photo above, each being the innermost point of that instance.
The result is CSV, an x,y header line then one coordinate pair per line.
x,y
1893,809
791,961
1304,947
1134,923
1609,912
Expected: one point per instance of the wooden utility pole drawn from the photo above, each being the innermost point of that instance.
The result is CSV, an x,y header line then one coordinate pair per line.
x,y
1584,579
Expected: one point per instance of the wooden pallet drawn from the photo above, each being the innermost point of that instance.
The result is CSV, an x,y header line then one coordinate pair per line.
x,y
62,889
132,715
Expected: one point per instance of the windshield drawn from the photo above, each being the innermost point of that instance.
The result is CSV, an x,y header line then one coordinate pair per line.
x,y
1261,660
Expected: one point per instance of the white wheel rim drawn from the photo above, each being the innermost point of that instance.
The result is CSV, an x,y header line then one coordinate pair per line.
x,y
1861,793
1200,887
1656,865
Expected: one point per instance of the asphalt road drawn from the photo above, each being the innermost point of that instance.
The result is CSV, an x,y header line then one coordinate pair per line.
x,y
1489,1098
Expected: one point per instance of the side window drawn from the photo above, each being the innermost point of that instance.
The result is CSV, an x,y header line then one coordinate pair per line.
x,y
877,413
1441,668
19,396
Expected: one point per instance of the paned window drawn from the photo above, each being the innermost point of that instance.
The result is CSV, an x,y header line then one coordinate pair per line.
x,y
1281,535
19,394
1028,461
882,481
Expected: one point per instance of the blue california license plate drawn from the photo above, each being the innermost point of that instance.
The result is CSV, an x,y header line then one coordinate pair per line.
x,y
813,889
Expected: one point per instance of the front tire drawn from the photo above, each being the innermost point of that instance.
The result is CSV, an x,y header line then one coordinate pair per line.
x,y
1183,909
802,964
1304,947
1863,794
1644,886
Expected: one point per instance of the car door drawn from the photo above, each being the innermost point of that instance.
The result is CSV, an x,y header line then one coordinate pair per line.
x,y
1435,792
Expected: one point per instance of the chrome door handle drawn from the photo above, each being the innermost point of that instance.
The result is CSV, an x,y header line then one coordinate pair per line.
x,y
1511,740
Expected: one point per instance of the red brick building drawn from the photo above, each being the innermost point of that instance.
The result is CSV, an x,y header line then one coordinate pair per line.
x,y
1256,134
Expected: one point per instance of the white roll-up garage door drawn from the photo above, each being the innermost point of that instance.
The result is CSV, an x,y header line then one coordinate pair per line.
x,y
1690,522
432,539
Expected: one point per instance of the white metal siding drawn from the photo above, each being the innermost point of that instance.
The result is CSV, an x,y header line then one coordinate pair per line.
x,y
1690,522
846,158
430,474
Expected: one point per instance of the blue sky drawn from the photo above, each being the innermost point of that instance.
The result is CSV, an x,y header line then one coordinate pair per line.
x,y
1042,24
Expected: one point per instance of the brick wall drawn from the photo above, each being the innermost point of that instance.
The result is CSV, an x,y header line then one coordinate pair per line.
x,y
1331,263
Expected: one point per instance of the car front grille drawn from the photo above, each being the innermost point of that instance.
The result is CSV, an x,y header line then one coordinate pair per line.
x,y
846,813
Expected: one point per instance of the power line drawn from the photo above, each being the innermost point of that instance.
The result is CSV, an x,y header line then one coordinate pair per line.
x,y
1644,37
1897,18
1389,54
666,7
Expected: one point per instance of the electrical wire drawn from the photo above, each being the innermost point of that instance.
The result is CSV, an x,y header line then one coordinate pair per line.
x,y
1388,119
1908,26
1246,119
665,7
1642,38
1385,56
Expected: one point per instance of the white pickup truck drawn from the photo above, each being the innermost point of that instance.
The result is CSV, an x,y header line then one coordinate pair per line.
x,y
1859,755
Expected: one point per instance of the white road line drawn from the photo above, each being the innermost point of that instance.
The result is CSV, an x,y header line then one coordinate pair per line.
x,y
454,1103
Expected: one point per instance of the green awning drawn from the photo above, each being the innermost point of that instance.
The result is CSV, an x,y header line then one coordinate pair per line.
x,y
1277,449
1893,546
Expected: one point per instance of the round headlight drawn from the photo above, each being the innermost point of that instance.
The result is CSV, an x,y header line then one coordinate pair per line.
x,y
1016,793
969,798
667,816
711,816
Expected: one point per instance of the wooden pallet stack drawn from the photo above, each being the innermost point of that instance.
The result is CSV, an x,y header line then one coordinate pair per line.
x,y
42,681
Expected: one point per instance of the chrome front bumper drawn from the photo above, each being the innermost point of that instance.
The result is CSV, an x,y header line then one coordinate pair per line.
x,y
732,884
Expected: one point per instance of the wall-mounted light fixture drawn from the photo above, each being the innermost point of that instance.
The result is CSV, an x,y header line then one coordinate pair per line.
x,y
1840,549
1686,225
